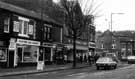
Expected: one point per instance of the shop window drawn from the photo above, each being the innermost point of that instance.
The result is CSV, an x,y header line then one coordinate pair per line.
x,y
27,53
6,24
3,55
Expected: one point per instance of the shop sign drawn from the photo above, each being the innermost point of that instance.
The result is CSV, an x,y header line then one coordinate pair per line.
x,y
92,45
28,42
81,43
12,45
40,65
48,45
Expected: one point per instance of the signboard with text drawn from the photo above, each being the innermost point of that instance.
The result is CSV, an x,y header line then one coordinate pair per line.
x,y
92,45
40,65
28,42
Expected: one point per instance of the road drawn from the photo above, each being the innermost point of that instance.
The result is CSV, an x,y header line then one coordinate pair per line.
x,y
63,74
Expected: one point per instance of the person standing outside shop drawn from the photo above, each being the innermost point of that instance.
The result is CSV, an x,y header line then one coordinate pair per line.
x,y
81,58
65,59
85,58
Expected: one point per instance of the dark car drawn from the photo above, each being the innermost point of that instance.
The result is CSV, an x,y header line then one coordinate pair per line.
x,y
106,63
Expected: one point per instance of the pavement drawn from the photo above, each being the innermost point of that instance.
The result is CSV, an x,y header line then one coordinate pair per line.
x,y
33,69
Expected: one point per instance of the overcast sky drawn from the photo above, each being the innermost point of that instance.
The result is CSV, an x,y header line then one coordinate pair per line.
x,y
124,21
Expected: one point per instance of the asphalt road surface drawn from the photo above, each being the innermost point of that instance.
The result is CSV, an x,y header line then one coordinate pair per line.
x,y
63,74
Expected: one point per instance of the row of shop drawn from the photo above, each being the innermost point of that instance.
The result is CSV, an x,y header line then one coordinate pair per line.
x,y
26,52
21,35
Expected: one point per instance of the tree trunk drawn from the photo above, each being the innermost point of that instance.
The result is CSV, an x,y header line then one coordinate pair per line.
x,y
74,51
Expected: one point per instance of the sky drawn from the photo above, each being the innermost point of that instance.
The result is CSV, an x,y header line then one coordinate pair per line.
x,y
124,21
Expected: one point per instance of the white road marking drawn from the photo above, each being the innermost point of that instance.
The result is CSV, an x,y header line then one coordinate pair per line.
x,y
76,74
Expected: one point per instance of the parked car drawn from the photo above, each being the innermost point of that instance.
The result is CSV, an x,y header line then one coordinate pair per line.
x,y
123,58
106,63
131,59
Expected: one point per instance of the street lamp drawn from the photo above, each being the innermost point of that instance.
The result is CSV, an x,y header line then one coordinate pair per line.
x,y
112,25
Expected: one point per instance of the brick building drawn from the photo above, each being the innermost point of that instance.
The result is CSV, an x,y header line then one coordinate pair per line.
x,y
107,42
23,32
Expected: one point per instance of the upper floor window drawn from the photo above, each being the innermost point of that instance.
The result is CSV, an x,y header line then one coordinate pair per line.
x,y
6,24
102,46
113,46
47,32
24,26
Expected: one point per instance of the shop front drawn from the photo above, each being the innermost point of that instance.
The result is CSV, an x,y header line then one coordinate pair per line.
x,y
92,48
60,54
3,53
81,52
23,52
48,52
53,53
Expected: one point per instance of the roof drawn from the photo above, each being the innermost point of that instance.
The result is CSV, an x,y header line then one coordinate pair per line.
x,y
26,12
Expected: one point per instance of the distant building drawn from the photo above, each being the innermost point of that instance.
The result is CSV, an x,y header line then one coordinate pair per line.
x,y
127,42
120,42
107,42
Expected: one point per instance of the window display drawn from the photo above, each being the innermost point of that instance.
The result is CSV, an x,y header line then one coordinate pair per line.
x,y
28,53
3,55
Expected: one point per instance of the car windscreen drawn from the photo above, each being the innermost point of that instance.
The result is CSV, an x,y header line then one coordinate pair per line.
x,y
104,60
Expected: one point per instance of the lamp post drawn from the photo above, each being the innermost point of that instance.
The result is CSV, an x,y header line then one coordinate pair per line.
x,y
112,26
41,63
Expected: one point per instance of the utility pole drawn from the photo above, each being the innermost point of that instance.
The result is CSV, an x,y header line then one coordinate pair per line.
x,y
40,64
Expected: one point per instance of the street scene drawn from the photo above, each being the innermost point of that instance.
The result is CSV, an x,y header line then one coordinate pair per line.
x,y
67,39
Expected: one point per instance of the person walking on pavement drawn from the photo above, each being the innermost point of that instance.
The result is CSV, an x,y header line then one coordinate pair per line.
x,y
65,59
81,58
85,58
89,59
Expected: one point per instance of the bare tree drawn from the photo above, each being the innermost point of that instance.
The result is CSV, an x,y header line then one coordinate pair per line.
x,y
75,20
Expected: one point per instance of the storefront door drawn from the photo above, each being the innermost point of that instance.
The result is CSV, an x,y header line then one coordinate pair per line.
x,y
20,54
47,55
11,58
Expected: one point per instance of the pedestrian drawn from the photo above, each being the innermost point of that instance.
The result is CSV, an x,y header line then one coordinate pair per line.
x,y
85,58
89,59
65,59
81,58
